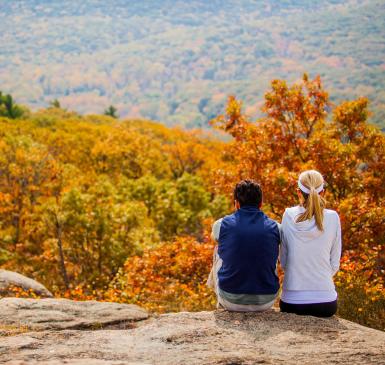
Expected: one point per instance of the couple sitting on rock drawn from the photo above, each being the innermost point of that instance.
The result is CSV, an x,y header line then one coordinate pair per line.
x,y
308,242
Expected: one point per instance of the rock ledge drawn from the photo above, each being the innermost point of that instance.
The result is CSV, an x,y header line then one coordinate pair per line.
x,y
217,337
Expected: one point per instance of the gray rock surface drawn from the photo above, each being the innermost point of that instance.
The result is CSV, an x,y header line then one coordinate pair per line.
x,y
59,314
74,362
10,278
203,338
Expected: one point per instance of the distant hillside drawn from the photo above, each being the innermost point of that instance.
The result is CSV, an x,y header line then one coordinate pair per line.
x,y
176,61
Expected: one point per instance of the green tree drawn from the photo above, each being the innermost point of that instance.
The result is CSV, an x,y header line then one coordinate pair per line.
x,y
112,112
8,108
55,103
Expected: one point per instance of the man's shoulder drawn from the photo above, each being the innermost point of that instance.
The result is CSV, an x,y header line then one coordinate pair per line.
x,y
229,218
218,222
216,229
270,222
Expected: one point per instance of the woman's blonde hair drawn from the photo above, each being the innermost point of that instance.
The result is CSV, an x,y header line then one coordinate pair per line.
x,y
312,182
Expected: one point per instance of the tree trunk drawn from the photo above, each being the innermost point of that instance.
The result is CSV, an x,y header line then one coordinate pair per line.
x,y
63,269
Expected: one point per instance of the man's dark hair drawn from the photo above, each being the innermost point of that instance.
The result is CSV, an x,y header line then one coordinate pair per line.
x,y
248,192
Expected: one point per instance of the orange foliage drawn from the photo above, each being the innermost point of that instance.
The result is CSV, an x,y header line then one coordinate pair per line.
x,y
80,194
121,211
19,292
170,277
297,134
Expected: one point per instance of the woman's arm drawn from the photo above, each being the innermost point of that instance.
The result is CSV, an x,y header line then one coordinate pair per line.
x,y
335,252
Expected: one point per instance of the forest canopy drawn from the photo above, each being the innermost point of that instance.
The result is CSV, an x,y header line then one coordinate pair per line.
x,y
176,61
101,208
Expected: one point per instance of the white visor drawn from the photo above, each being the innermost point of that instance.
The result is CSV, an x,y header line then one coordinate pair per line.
x,y
307,191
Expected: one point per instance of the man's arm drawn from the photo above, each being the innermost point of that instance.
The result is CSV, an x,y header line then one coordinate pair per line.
x,y
216,230
280,231
211,281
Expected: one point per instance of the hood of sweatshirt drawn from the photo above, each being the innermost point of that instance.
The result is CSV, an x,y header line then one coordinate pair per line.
x,y
305,231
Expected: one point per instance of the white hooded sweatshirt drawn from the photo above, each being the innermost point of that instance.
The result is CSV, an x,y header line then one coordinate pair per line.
x,y
309,257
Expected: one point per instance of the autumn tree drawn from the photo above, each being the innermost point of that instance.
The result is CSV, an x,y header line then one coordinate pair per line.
x,y
170,277
79,195
96,208
301,130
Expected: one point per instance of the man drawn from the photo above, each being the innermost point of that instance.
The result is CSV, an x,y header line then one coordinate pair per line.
x,y
244,275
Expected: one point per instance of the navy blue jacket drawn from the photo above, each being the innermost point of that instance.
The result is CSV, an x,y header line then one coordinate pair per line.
x,y
248,245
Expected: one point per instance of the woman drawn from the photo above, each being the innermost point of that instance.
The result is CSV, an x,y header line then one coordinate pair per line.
x,y
310,252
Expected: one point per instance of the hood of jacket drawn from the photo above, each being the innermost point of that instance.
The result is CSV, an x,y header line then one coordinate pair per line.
x,y
304,231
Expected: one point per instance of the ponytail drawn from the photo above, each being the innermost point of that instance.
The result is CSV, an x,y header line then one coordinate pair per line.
x,y
311,184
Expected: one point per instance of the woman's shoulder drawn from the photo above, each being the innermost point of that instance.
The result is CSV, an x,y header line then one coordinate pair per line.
x,y
295,208
293,211
331,216
290,215
330,212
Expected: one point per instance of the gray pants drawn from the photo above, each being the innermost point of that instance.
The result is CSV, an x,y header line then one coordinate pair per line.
x,y
212,282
